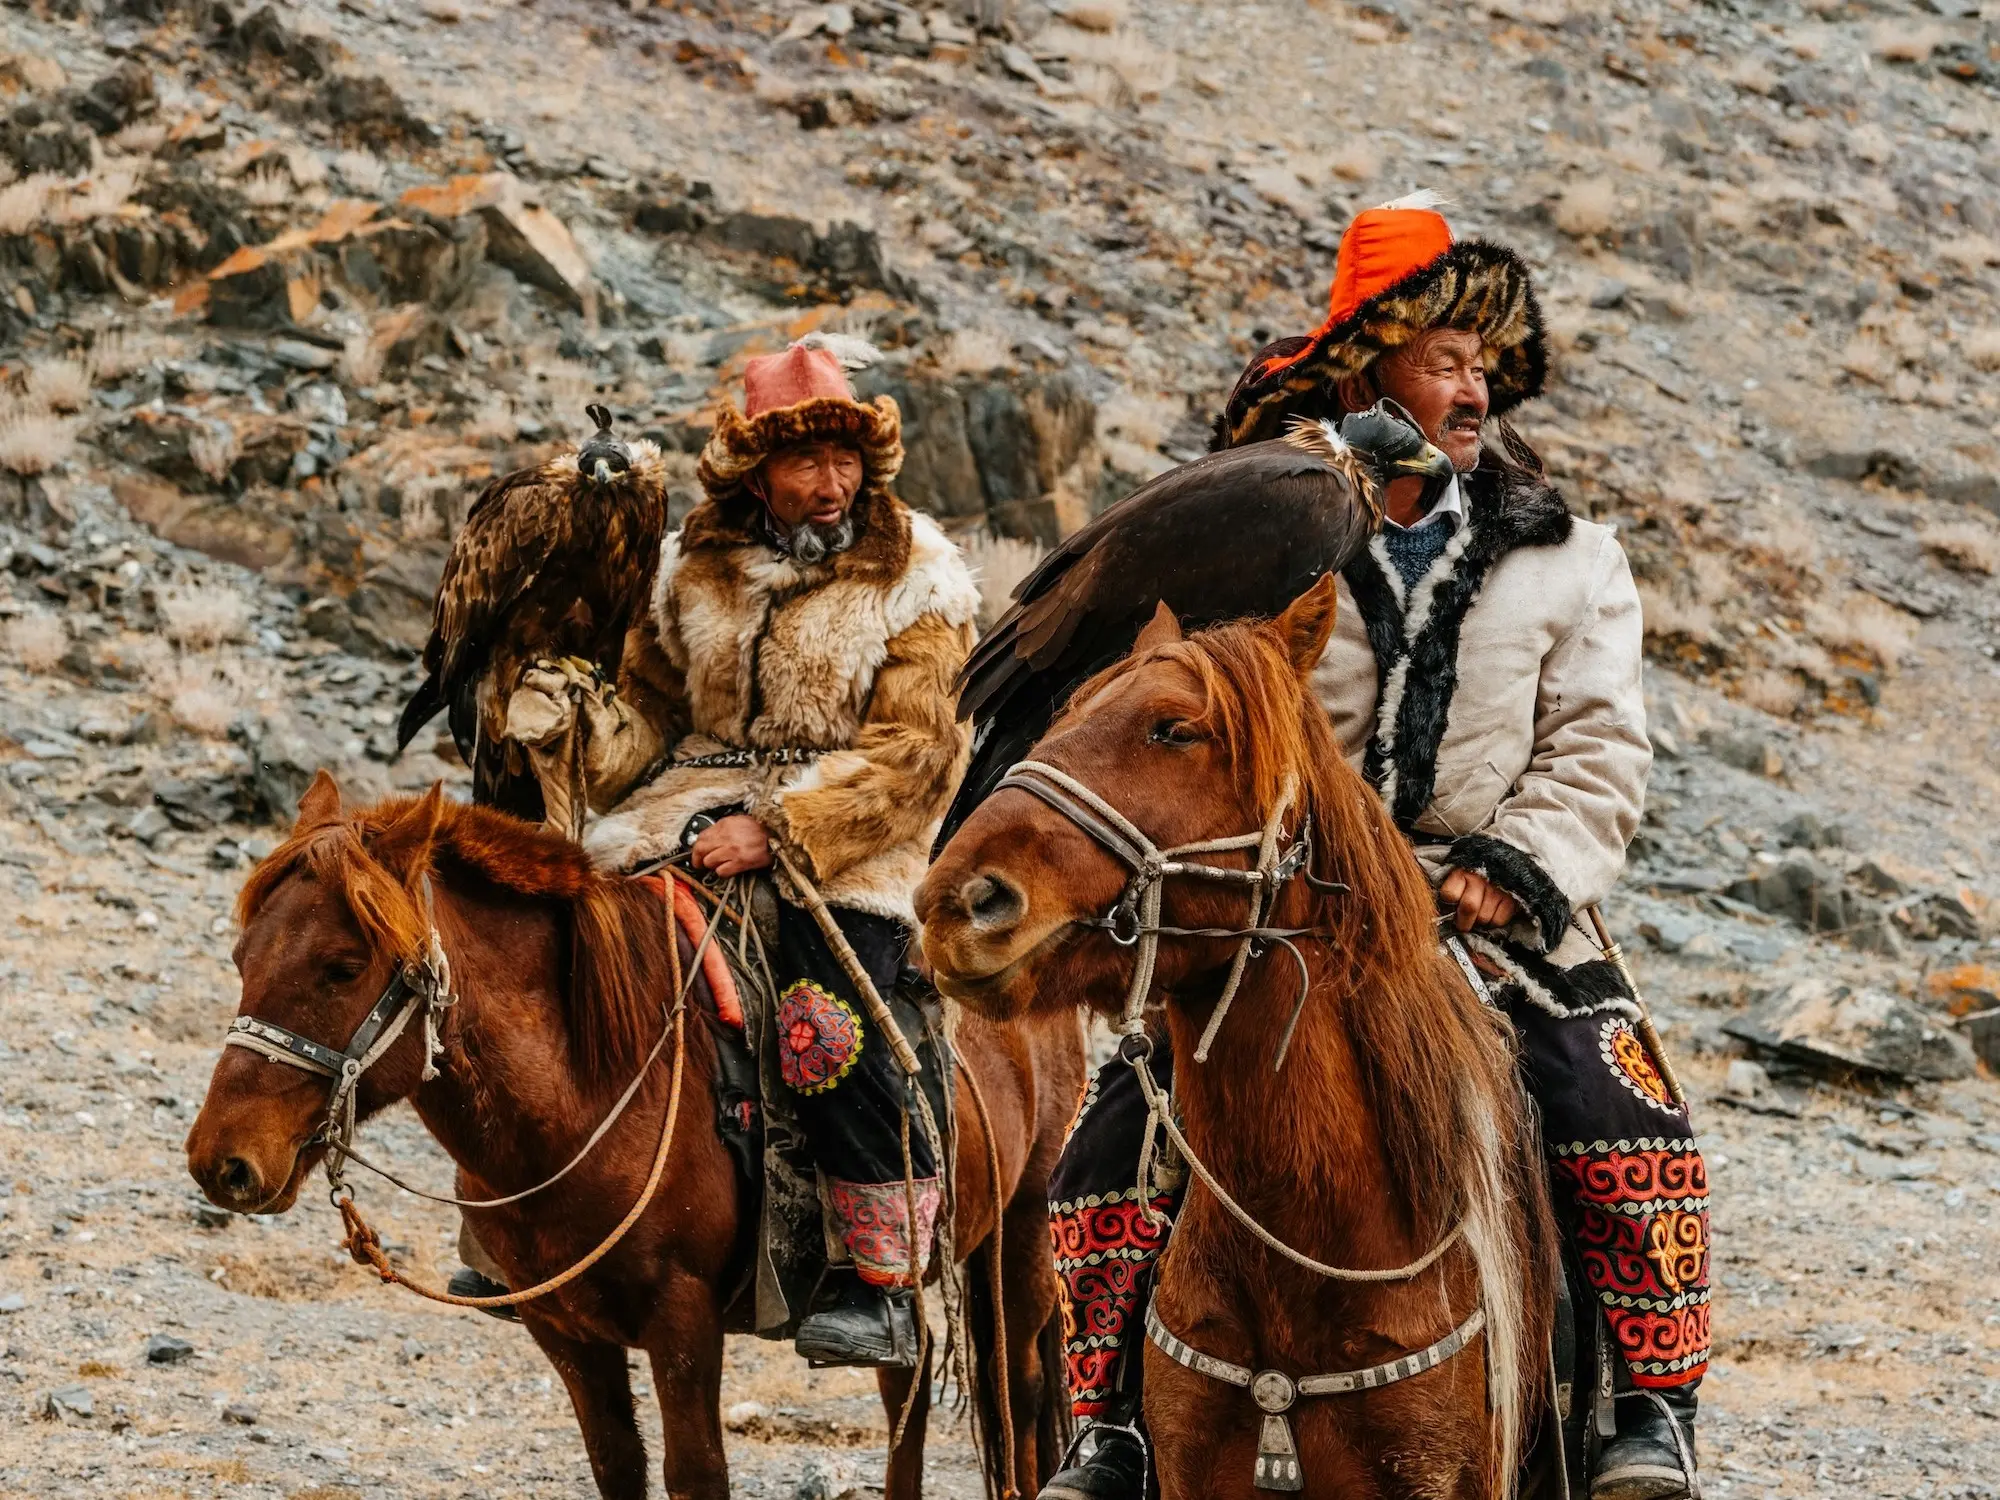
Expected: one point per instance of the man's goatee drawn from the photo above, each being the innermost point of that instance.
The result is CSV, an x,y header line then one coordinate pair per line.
x,y
811,542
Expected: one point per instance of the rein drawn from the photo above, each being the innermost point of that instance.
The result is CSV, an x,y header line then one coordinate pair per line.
x,y
429,979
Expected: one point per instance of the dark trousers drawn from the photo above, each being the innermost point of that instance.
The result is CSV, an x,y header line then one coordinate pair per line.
x,y
849,1091
1630,1187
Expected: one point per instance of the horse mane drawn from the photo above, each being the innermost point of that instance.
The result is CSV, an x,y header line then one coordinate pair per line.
x,y
616,929
1437,1063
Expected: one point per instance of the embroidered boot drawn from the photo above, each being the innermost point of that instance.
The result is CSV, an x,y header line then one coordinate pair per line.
x,y
1652,1457
1109,1457
867,1315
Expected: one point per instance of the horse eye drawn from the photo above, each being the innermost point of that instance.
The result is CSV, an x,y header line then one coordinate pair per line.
x,y
1171,732
343,973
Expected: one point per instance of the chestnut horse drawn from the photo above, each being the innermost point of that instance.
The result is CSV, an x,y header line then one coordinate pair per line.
x,y
1394,1121
564,984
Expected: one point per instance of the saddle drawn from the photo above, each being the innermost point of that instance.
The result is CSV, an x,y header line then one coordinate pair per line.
x,y
778,1182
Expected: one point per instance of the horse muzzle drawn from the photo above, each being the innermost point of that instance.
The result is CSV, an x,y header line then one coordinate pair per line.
x,y
247,1165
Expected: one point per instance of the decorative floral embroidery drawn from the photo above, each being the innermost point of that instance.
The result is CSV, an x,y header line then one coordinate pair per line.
x,y
874,1223
819,1037
1628,1060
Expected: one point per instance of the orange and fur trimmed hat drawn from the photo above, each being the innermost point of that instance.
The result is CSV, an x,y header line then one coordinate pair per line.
x,y
1398,273
803,396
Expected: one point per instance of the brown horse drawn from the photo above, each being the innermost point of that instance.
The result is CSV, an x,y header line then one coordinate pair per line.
x,y
1395,1116
563,978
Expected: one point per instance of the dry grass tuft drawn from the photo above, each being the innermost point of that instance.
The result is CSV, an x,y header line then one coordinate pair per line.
x,y
206,694
36,72
999,563
141,138
1982,348
1776,693
1865,358
1899,41
1864,626
118,352
1094,15
1357,160
1587,208
37,640
974,351
1670,617
34,442
362,171
108,188
25,204
1971,253
205,615
267,187
361,361
1112,68
1968,546
60,384
215,449
307,166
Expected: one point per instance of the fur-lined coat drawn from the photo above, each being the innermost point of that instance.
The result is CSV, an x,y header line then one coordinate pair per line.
x,y
853,658
1498,707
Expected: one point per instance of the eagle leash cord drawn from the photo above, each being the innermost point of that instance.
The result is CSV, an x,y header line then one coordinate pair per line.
x,y
365,1245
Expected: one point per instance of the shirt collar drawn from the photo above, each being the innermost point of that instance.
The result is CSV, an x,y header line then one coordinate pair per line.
x,y
1448,506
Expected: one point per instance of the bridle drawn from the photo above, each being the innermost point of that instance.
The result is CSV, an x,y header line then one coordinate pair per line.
x,y
1134,918
422,983
1134,922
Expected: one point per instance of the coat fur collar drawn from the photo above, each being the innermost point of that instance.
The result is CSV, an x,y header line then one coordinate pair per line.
x,y
1414,632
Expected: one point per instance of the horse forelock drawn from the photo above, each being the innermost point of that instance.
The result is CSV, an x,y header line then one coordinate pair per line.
x,y
616,926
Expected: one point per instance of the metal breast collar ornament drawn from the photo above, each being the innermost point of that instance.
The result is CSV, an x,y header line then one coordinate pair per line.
x,y
426,980
1134,921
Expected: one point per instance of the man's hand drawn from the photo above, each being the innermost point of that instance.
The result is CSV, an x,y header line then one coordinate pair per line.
x,y
1480,902
732,846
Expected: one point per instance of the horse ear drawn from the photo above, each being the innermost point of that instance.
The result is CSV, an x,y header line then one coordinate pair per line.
x,y
1307,624
404,847
320,805
1162,630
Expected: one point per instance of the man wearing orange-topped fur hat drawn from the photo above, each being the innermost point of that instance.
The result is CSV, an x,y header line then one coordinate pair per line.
x,y
1485,676
791,689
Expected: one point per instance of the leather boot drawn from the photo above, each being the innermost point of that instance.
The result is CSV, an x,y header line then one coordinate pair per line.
x,y
859,1324
1115,1465
1645,1461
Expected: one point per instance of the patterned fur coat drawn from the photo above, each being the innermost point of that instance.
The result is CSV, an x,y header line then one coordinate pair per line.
x,y
853,658
1498,708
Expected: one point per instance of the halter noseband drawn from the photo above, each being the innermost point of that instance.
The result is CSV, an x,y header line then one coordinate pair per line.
x,y
1134,919
427,979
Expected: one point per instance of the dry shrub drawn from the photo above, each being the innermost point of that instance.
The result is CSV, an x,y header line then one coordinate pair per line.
x,y
1899,41
1094,15
1784,541
1871,143
1669,616
108,188
1968,546
1356,160
37,640
307,166
1797,135
1776,693
1132,427
204,615
36,72
1982,348
34,442
25,204
361,170
974,351
1754,74
204,694
141,138
361,361
1137,69
61,384
214,449
998,564
1587,208
1864,626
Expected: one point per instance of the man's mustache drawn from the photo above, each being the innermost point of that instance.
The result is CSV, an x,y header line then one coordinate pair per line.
x,y
1461,417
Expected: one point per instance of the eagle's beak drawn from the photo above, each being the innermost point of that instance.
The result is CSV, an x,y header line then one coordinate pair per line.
x,y
602,473
1429,464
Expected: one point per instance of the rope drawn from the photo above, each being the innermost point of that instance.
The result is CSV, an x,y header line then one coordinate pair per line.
x,y
365,1245
1162,1115
1001,1377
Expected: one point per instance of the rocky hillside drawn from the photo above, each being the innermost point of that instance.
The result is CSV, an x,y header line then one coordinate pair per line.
x,y
282,284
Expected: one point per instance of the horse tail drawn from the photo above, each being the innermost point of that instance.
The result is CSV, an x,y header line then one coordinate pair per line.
x,y
988,1420
1510,1231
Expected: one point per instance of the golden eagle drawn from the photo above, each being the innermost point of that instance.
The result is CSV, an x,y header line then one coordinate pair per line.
x,y
553,563
1231,535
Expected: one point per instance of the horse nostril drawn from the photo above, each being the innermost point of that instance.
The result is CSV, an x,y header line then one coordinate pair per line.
x,y
239,1179
993,901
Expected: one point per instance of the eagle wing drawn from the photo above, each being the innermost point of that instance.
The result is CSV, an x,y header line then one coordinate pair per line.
x,y
1232,535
